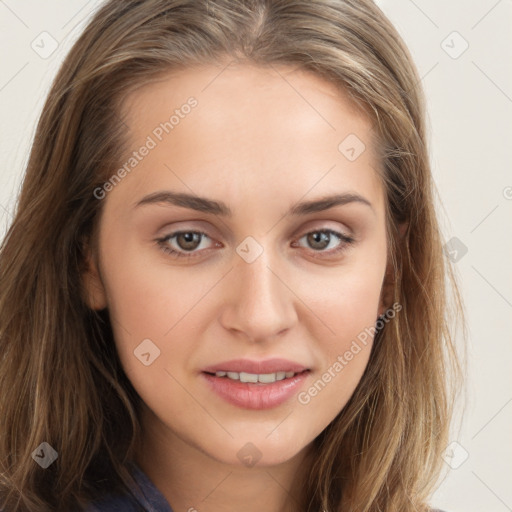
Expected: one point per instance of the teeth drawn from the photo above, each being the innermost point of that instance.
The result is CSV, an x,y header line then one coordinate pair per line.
x,y
264,378
248,377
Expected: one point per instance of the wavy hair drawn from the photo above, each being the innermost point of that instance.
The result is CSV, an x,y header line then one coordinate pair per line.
x,y
61,380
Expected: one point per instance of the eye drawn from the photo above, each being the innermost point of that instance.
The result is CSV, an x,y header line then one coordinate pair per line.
x,y
188,242
320,239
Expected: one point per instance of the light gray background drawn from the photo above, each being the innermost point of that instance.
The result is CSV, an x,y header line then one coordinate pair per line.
x,y
470,118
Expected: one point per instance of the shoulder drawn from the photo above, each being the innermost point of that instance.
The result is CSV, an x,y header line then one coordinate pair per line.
x,y
114,503
145,497
111,503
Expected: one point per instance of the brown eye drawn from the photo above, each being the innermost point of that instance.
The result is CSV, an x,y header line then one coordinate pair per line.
x,y
319,240
188,241
185,243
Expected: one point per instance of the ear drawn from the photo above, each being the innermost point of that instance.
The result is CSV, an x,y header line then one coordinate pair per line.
x,y
402,229
388,285
94,289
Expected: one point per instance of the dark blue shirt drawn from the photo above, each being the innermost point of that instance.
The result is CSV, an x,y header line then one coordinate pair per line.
x,y
151,499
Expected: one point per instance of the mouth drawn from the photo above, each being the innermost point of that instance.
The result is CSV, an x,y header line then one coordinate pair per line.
x,y
255,385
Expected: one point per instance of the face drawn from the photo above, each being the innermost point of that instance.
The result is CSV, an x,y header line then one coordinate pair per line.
x,y
257,277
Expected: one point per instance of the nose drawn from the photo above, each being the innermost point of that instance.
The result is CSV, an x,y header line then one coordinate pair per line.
x,y
259,302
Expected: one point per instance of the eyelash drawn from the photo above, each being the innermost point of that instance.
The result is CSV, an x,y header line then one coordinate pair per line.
x,y
347,241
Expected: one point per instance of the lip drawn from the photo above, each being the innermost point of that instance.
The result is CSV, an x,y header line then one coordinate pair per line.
x,y
256,396
250,366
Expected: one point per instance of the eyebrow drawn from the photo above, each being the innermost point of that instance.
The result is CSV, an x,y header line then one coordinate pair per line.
x,y
205,205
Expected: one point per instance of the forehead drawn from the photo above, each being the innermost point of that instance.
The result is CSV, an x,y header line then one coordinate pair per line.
x,y
230,91
251,127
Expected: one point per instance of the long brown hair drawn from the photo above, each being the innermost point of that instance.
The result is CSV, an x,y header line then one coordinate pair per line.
x,y
61,380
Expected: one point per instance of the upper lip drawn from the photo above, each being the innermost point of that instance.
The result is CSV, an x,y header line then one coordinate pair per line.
x,y
256,367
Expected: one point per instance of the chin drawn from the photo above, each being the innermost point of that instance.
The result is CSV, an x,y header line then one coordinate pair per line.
x,y
257,450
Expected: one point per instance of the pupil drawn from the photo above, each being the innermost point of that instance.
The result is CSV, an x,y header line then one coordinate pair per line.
x,y
317,237
191,240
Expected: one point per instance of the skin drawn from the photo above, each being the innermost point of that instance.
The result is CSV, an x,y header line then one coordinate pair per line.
x,y
260,140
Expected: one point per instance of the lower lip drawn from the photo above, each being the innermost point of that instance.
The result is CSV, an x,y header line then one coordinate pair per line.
x,y
255,395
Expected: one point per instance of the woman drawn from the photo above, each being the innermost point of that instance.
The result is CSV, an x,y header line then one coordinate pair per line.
x,y
223,288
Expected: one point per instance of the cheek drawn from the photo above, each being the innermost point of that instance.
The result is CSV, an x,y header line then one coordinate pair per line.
x,y
146,302
148,298
345,300
346,303
154,332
